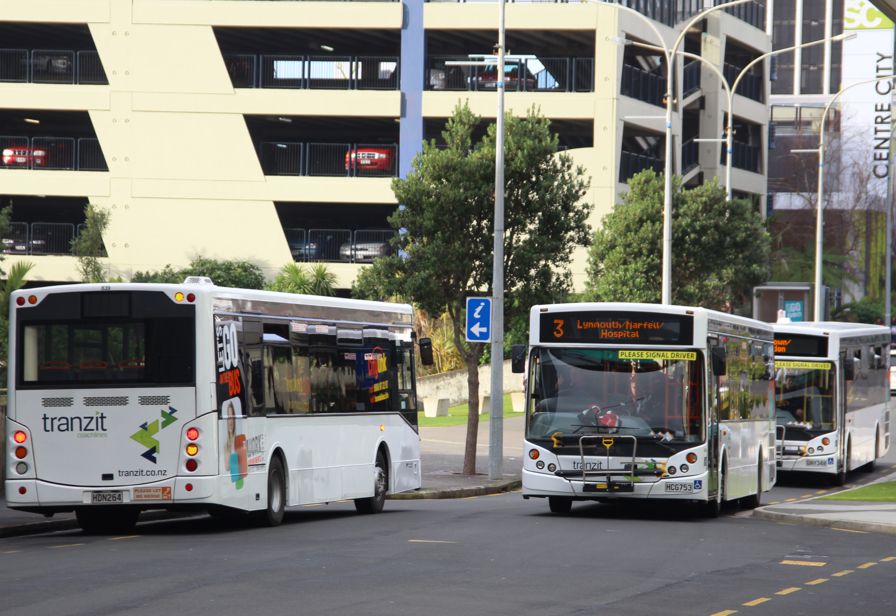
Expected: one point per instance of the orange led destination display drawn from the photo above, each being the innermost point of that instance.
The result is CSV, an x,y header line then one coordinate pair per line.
x,y
798,345
617,327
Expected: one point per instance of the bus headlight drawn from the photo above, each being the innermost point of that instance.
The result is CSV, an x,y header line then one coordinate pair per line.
x,y
684,468
539,465
552,467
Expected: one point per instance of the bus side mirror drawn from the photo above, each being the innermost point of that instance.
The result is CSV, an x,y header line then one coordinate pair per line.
x,y
718,361
426,351
518,358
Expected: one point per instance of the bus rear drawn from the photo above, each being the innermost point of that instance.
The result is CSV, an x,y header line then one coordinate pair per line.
x,y
102,396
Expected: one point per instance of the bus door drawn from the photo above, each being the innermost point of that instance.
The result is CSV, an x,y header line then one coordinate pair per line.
x,y
844,374
715,371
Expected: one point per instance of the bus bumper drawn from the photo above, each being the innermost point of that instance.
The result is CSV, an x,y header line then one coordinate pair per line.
x,y
34,494
810,464
690,487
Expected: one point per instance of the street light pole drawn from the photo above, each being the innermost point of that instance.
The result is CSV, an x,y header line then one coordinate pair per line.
x,y
819,206
666,293
495,433
731,90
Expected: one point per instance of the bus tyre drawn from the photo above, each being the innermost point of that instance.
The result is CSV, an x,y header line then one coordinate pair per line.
x,y
273,514
103,520
374,504
840,478
560,504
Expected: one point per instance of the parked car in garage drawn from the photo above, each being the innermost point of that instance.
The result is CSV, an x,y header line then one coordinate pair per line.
x,y
363,252
24,156
487,77
304,251
370,158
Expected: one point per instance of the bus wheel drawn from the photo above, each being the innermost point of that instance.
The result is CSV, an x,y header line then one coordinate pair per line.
x,y
560,504
273,514
374,504
840,478
102,520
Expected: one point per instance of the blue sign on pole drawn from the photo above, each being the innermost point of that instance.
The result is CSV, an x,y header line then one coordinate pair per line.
x,y
479,318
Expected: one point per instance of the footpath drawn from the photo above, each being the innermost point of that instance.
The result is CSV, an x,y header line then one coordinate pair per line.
x,y
442,453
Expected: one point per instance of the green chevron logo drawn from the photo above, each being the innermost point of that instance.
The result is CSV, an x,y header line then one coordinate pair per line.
x,y
146,435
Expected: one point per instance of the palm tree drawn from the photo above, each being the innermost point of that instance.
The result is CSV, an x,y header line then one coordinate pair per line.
x,y
14,280
293,278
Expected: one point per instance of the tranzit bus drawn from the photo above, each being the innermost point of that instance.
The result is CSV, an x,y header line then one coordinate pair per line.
x,y
647,401
125,397
831,396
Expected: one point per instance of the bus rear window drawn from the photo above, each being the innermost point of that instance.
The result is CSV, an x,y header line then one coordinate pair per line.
x,y
157,351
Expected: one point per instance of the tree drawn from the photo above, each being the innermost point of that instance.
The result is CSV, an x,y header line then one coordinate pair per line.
x,y
720,249
88,247
443,253
294,278
224,273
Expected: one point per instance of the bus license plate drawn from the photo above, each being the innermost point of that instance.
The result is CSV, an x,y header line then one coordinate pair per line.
x,y
811,462
107,497
680,488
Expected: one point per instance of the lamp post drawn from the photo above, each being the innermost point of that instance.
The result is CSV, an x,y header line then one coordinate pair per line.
x,y
667,180
496,417
819,206
731,90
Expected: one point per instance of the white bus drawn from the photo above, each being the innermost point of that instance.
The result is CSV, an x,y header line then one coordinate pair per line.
x,y
125,397
647,401
831,396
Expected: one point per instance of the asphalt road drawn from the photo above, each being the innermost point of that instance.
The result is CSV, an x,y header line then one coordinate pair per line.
x,y
484,555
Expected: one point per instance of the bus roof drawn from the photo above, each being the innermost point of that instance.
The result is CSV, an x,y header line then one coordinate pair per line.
x,y
832,329
201,288
643,307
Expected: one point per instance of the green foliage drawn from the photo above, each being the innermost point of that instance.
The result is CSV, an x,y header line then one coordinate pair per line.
x,y
719,249
224,273
790,264
294,278
866,310
444,253
88,247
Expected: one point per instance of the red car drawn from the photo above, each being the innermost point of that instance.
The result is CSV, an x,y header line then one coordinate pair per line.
x,y
24,156
370,158
488,77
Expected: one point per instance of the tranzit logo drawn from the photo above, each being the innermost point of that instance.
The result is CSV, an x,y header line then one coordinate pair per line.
x,y
146,435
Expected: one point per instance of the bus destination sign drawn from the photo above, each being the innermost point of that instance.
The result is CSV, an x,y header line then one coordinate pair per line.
x,y
617,327
798,345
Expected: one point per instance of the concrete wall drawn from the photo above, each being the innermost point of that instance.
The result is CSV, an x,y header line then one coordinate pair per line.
x,y
453,385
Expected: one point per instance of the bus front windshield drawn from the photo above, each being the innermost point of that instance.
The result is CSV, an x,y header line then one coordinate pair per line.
x,y
804,395
655,394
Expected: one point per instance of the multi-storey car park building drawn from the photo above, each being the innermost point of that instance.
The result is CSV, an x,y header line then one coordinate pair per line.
x,y
270,131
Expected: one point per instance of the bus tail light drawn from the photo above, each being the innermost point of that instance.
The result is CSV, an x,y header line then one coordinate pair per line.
x,y
692,458
19,437
825,441
21,468
193,433
21,452
192,465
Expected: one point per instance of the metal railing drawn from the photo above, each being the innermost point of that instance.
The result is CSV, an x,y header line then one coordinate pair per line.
x,y
51,66
312,72
39,238
751,85
668,12
527,75
691,78
745,156
752,13
643,85
360,246
52,153
281,157
631,164
690,155
345,159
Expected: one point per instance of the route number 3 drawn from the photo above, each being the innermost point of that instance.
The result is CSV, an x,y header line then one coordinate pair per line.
x,y
558,328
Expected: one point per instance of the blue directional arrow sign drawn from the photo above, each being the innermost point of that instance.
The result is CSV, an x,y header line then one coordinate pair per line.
x,y
479,318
